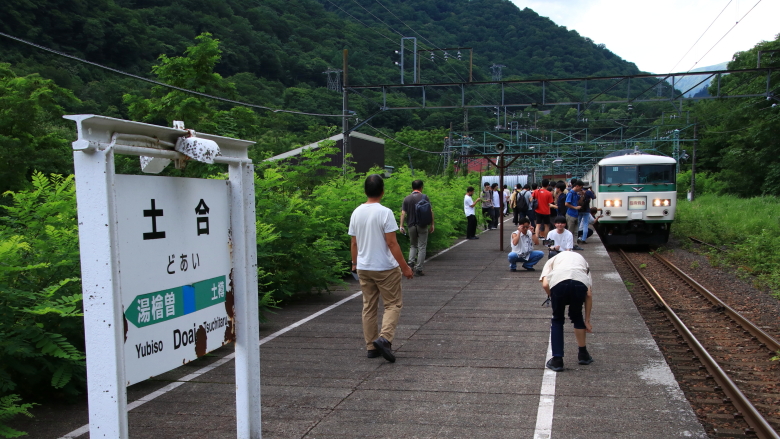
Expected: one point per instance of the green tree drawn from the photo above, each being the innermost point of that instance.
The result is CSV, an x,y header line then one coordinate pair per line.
x,y
741,137
33,135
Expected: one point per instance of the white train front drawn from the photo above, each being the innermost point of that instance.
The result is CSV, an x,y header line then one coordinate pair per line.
x,y
637,195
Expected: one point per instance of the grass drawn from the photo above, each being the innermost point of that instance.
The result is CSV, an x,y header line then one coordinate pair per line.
x,y
749,228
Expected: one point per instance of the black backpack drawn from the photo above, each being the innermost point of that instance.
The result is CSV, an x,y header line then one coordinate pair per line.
x,y
422,212
521,204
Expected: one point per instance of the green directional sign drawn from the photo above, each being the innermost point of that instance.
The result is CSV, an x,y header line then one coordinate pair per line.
x,y
159,306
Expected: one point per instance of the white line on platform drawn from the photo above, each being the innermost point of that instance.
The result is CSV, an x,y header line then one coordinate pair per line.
x,y
85,428
544,416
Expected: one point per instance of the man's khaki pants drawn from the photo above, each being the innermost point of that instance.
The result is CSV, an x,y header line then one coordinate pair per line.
x,y
386,284
571,224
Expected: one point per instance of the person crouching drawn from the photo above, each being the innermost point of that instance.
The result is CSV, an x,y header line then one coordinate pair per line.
x,y
523,241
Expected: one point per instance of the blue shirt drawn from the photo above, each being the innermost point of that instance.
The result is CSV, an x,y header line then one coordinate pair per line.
x,y
572,198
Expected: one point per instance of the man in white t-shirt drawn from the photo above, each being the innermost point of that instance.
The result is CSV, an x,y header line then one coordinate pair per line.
x,y
566,280
562,239
471,217
377,258
523,241
497,194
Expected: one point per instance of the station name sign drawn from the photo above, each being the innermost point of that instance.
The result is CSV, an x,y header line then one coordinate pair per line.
x,y
175,271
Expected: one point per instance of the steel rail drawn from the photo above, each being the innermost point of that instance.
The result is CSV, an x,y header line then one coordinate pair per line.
x,y
772,343
699,241
754,419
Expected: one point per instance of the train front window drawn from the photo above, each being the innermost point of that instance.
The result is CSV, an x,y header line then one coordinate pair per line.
x,y
633,174
649,174
619,174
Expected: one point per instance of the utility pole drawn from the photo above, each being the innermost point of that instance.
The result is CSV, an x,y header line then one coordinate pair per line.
x,y
345,112
334,79
402,53
496,68
693,163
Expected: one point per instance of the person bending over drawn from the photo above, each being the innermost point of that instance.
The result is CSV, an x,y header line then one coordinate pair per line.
x,y
566,280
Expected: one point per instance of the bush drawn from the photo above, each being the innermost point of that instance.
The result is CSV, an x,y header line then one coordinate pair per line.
x,y
41,330
749,227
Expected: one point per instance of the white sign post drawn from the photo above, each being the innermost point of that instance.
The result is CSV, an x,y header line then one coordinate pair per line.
x,y
169,266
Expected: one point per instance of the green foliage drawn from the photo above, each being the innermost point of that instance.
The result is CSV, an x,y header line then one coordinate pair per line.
x,y
302,248
706,183
741,137
41,332
749,227
9,408
32,133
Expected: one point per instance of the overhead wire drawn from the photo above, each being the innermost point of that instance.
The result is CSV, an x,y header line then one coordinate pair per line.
x,y
364,24
399,142
432,44
380,20
700,36
162,84
398,44
724,35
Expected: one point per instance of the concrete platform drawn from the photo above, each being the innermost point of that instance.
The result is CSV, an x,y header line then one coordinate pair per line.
x,y
471,348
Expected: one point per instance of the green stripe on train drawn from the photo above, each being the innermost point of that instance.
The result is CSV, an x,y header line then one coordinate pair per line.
x,y
663,187
603,221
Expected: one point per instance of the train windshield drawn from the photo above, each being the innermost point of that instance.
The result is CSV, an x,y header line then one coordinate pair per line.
x,y
633,174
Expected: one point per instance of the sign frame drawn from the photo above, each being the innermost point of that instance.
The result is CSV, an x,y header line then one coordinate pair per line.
x,y
99,139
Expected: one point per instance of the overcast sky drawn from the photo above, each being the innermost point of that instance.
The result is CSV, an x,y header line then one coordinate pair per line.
x,y
655,35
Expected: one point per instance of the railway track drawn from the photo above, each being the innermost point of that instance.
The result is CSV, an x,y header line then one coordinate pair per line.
x,y
726,371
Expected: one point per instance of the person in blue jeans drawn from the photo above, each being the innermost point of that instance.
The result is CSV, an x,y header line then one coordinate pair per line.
x,y
566,280
584,212
523,241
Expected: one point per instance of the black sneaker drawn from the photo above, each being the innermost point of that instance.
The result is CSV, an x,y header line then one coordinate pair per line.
x,y
385,349
584,358
555,364
419,273
529,268
577,247
373,353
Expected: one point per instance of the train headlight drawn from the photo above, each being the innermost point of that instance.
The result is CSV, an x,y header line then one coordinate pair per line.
x,y
613,203
659,202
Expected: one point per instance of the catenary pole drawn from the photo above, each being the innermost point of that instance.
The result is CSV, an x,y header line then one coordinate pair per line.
x,y
345,112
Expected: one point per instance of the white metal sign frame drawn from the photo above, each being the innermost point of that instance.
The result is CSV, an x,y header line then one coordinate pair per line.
x,y
99,139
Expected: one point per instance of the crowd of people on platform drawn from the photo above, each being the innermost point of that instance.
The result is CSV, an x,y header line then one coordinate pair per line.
x,y
550,214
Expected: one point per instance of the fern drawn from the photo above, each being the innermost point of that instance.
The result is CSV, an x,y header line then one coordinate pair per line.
x,y
41,329
10,408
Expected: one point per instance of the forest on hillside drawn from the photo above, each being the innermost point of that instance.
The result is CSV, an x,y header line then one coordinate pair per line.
x,y
272,53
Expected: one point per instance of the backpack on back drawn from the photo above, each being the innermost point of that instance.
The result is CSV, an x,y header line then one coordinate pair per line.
x,y
534,201
521,204
422,211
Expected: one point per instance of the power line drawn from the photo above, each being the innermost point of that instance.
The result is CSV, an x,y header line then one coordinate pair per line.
x,y
364,24
705,31
380,20
724,35
401,143
402,22
162,84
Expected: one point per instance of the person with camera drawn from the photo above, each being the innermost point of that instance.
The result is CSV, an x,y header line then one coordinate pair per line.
x,y
523,241
560,239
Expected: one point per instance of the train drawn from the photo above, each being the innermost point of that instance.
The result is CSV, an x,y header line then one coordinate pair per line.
x,y
636,193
